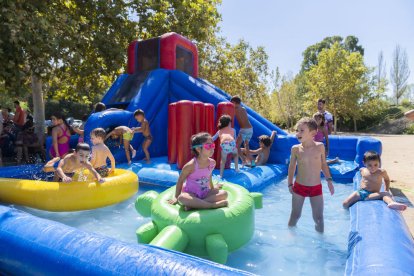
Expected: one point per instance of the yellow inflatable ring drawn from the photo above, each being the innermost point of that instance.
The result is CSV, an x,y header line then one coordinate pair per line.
x,y
73,196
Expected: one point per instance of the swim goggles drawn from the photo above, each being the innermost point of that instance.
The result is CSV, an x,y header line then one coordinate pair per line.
x,y
207,146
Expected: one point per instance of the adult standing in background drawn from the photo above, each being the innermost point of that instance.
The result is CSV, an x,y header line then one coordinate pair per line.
x,y
19,115
327,115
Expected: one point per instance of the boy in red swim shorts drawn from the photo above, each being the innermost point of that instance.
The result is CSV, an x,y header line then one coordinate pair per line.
x,y
309,156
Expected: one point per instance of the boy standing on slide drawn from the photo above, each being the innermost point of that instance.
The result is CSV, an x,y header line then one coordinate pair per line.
x,y
246,129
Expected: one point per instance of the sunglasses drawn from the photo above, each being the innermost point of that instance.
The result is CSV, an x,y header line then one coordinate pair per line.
x,y
207,146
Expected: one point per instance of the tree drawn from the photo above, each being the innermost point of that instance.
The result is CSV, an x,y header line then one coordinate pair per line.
x,y
399,72
74,49
238,69
310,55
285,102
380,81
340,77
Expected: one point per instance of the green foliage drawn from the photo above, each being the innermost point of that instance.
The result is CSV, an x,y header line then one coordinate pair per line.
x,y
238,69
409,129
285,103
342,78
310,55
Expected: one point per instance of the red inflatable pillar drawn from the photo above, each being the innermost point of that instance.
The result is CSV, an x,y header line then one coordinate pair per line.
x,y
184,125
172,131
132,52
209,118
222,109
199,122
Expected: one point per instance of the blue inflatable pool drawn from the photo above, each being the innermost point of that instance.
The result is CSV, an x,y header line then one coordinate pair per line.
x,y
379,240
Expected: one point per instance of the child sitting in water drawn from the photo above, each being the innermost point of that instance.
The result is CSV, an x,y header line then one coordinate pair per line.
x,y
72,162
227,136
139,115
322,135
309,156
125,135
265,143
100,153
371,182
194,187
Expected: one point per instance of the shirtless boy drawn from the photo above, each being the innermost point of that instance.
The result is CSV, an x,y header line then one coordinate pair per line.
x,y
263,152
74,162
139,115
371,182
125,134
309,156
100,153
246,129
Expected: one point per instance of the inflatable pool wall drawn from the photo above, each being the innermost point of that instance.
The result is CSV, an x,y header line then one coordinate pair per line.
x,y
35,246
379,240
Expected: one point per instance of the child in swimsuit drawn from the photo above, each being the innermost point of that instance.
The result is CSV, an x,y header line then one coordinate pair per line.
x,y
322,135
227,136
71,163
60,136
246,129
371,182
309,157
139,115
100,153
125,135
194,187
262,153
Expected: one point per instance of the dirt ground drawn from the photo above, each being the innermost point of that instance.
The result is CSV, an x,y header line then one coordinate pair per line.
x,y
398,159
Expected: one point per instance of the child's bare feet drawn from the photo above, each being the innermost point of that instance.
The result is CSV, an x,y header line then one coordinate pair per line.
x,y
397,206
129,163
221,203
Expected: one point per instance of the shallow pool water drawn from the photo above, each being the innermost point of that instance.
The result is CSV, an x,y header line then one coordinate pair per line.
x,y
275,249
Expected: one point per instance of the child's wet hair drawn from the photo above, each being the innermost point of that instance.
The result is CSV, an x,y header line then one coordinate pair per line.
x,y
235,99
317,116
99,132
309,122
265,140
82,146
199,139
224,121
99,107
139,112
371,156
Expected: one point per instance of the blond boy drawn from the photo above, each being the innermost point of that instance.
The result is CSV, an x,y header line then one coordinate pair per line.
x,y
100,153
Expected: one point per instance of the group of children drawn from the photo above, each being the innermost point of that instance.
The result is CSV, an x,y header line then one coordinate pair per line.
x,y
78,160
195,189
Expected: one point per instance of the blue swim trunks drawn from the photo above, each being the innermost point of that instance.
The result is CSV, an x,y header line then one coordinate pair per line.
x,y
364,193
246,134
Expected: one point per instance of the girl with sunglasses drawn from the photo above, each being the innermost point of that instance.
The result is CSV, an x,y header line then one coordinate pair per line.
x,y
194,187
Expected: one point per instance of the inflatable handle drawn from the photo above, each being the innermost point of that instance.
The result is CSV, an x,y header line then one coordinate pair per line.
x,y
217,248
144,202
171,237
147,232
258,200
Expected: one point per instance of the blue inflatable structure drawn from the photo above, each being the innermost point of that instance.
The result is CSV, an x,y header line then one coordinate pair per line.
x,y
379,240
30,245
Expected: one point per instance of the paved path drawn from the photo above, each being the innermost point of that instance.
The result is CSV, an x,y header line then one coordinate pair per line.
x,y
398,159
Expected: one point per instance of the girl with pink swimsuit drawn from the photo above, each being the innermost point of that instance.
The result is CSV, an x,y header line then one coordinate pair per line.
x,y
194,187
322,132
60,136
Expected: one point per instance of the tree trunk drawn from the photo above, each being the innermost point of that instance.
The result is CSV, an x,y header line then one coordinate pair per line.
x,y
355,125
38,106
335,122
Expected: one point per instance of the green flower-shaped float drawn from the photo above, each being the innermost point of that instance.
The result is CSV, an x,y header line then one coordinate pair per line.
x,y
211,233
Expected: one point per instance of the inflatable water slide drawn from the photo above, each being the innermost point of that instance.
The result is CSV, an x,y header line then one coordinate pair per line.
x,y
163,72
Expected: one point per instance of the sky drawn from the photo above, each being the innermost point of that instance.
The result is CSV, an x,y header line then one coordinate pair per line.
x,y
287,27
